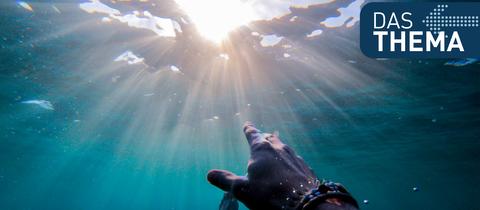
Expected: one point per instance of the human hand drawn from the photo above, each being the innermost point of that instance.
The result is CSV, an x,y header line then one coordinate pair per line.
x,y
277,178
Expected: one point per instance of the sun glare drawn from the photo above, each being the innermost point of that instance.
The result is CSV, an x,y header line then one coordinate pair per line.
x,y
214,19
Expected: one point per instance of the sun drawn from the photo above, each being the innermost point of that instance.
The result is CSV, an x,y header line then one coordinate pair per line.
x,y
214,19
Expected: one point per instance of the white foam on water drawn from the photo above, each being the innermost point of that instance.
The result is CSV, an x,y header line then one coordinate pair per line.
x,y
25,5
270,40
95,6
129,57
262,10
315,33
348,15
161,26
106,19
269,9
164,27
175,69
42,103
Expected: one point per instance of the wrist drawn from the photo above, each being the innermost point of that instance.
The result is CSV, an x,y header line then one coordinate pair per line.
x,y
328,194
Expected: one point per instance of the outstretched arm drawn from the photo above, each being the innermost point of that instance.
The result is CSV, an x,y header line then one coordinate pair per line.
x,y
277,178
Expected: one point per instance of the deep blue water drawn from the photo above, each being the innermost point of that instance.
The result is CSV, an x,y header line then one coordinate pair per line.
x,y
125,137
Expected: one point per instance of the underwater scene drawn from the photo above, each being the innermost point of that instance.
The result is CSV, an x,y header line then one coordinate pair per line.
x,y
127,104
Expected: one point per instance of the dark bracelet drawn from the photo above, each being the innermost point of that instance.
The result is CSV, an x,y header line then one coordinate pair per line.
x,y
324,191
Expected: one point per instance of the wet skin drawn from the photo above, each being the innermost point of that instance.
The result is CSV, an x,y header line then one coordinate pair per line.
x,y
277,178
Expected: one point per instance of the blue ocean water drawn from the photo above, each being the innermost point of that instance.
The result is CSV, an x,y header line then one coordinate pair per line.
x,y
141,137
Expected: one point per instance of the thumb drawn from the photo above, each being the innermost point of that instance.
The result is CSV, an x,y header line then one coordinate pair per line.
x,y
224,180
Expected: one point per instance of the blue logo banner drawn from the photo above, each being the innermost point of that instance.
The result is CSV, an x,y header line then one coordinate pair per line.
x,y
420,30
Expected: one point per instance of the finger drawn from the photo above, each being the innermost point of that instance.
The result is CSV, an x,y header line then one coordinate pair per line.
x,y
274,139
253,134
224,180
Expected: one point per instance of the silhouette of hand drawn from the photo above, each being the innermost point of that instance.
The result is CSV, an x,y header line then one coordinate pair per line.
x,y
277,178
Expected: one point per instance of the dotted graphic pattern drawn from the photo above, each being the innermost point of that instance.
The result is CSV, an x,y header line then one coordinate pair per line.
x,y
436,21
